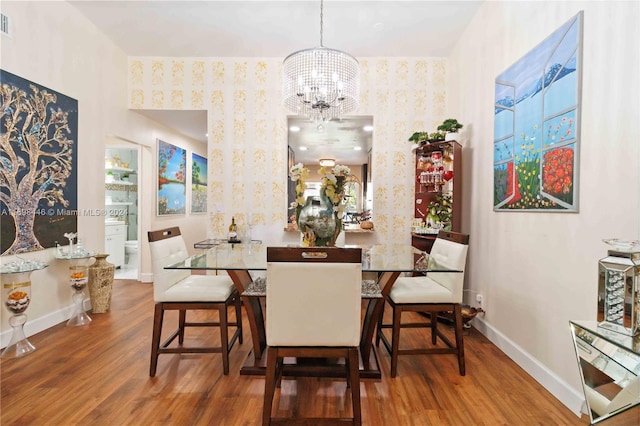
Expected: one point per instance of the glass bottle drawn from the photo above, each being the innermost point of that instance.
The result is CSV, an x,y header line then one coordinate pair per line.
x,y
233,231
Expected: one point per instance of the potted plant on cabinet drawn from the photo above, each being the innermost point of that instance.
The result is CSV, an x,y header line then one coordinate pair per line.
x,y
450,127
419,138
422,138
436,137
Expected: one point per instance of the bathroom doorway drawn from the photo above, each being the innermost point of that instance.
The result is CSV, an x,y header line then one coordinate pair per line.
x,y
122,163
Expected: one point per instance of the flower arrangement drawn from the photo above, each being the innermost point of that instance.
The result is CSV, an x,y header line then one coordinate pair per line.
x,y
314,227
298,174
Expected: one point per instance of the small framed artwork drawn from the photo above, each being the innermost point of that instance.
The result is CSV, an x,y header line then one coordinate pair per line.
x,y
536,142
172,164
198,184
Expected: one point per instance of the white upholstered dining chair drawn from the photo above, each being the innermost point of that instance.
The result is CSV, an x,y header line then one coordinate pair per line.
x,y
313,309
433,293
179,290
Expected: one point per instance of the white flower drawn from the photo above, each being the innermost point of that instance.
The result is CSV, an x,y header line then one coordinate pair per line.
x,y
331,178
70,235
296,171
341,170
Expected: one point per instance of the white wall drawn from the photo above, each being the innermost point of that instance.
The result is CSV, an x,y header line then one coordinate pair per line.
x,y
537,271
55,46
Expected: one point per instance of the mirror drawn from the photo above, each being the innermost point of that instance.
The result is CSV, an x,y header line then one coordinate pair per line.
x,y
347,142
609,364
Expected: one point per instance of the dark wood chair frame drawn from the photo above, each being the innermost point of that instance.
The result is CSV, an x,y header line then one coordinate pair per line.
x,y
276,354
158,348
431,311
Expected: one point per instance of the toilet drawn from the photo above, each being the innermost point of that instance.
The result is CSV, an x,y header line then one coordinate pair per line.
x,y
131,253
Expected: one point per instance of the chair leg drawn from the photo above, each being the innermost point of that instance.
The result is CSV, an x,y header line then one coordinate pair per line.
x,y
457,314
379,327
354,380
395,339
182,317
158,317
238,305
434,327
224,338
269,385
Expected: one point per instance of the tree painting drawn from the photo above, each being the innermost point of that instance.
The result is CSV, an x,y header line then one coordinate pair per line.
x,y
198,184
38,181
172,170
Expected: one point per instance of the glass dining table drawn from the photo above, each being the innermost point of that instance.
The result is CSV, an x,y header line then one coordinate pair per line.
x,y
381,266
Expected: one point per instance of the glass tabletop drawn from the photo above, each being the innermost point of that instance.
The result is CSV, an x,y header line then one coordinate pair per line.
x,y
253,257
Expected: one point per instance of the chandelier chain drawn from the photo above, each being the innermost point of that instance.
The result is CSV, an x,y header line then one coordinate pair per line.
x,y
321,21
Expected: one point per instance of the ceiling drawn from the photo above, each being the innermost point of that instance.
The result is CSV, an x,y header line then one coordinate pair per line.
x,y
336,139
275,29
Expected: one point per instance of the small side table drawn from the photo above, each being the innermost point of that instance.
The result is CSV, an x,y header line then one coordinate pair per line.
x,y
16,289
78,279
609,364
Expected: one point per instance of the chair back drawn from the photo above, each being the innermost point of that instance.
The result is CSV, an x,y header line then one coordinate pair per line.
x,y
313,296
450,250
167,247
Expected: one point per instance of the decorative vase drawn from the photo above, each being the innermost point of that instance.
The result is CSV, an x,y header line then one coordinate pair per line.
x,y
17,295
319,223
100,284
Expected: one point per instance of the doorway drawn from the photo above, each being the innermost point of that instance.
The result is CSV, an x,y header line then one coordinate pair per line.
x,y
122,163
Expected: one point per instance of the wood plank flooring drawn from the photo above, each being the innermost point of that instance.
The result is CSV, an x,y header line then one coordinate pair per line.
x,y
99,375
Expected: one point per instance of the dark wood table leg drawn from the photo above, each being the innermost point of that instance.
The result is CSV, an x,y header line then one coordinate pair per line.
x,y
375,309
242,279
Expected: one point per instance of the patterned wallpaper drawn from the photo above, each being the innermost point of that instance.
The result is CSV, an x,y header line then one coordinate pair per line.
x,y
247,129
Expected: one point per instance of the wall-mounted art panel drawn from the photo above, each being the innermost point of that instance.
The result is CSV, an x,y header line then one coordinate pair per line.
x,y
38,165
536,126
172,172
198,184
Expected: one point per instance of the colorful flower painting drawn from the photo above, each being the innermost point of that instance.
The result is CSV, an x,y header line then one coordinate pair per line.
x,y
536,132
172,170
198,184
38,165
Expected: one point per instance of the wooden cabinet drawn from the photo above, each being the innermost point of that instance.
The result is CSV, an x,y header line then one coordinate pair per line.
x,y
438,175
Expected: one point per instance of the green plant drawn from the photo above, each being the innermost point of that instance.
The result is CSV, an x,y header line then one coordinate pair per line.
x,y
418,137
450,125
436,136
440,210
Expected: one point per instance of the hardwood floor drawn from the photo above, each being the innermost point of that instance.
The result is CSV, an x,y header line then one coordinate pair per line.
x,y
99,374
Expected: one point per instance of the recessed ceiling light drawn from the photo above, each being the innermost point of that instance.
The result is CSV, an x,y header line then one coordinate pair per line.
x,y
327,162
368,128
357,148
303,148
294,128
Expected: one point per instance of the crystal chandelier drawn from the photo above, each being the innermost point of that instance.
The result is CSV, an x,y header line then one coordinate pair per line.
x,y
321,83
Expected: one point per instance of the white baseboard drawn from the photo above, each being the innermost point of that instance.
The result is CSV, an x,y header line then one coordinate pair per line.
x,y
37,325
570,397
146,278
